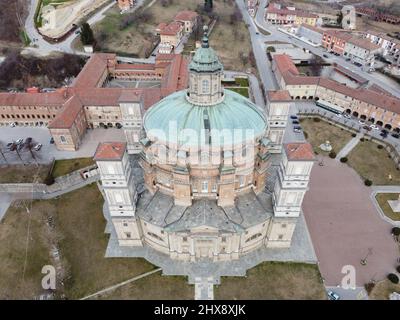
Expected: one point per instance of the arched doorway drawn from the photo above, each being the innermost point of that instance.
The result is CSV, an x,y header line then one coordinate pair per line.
x,y
348,111
363,117
379,123
316,98
310,98
355,114
304,98
372,120
397,130
298,98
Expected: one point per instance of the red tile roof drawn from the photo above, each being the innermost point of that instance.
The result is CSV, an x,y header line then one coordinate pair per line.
x,y
110,151
186,15
170,29
32,99
278,95
300,151
285,64
92,72
66,118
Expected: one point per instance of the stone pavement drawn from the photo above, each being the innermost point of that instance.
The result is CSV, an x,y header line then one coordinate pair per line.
x,y
349,146
358,293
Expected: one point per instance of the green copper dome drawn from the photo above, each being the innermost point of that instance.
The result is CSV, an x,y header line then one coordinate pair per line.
x,y
205,59
174,120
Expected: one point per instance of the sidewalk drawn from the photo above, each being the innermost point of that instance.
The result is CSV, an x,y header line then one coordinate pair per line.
x,y
349,146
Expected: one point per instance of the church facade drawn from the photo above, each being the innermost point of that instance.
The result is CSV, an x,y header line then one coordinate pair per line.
x,y
196,188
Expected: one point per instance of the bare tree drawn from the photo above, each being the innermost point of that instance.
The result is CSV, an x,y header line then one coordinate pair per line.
x,y
2,153
14,147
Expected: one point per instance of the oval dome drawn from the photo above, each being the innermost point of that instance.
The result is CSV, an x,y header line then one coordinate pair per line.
x,y
175,120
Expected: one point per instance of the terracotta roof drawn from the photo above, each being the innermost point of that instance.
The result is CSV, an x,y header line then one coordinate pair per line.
x,y
300,151
185,15
338,34
104,96
170,29
284,63
32,99
310,27
110,151
66,118
278,95
92,72
363,43
130,96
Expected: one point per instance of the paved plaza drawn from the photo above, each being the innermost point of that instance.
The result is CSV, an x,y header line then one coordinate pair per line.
x,y
345,226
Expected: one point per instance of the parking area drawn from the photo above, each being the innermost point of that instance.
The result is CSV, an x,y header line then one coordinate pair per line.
x,y
345,227
48,150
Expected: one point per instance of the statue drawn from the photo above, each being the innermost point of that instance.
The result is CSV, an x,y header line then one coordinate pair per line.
x,y
326,146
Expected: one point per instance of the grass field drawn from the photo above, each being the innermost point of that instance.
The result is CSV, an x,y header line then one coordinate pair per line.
x,y
319,132
243,91
274,280
19,173
63,167
382,199
374,164
79,235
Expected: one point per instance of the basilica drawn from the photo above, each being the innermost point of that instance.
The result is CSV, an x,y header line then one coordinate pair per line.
x,y
204,172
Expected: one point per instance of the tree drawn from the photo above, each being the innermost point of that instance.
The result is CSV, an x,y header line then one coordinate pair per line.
x,y
396,231
87,37
208,5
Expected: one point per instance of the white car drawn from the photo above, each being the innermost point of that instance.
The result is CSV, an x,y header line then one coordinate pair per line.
x,y
338,115
19,141
333,295
361,121
346,115
37,147
374,127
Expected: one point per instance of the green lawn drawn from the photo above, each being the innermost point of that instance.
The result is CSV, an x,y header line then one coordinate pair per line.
x,y
243,91
242,82
374,164
274,280
63,167
382,199
319,132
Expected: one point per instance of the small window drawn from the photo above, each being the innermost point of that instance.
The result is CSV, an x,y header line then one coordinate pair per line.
x,y
63,139
283,225
128,235
184,239
280,237
125,224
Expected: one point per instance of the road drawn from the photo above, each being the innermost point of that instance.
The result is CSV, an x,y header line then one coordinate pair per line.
x,y
276,35
42,47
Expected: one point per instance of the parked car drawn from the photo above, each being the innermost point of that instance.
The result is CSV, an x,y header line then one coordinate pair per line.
x,y
51,140
339,115
13,125
296,129
367,128
37,147
293,117
383,133
396,135
325,55
361,121
346,115
333,295
374,127
19,141
295,122
9,145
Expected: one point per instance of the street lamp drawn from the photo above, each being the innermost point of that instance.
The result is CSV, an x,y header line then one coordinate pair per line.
x,y
363,262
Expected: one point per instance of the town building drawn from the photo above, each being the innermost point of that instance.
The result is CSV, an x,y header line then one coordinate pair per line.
x,y
189,19
125,5
205,157
335,41
377,16
170,33
361,51
371,104
349,17
278,14
252,7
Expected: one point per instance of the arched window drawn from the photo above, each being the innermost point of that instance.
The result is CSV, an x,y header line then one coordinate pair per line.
x,y
63,139
205,86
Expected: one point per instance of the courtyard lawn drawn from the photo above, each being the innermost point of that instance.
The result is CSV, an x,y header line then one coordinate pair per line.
x,y
153,287
274,280
382,199
78,233
243,91
374,164
63,167
18,173
383,289
319,132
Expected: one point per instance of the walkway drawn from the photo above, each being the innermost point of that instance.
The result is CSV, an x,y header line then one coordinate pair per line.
x,y
204,288
349,146
120,284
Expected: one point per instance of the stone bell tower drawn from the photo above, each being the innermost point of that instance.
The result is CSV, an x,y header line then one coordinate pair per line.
x,y
120,191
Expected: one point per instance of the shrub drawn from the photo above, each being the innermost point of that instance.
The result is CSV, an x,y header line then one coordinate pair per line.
x,y
396,231
368,182
362,139
332,154
316,119
305,134
343,159
354,135
393,278
49,180
369,286
380,146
